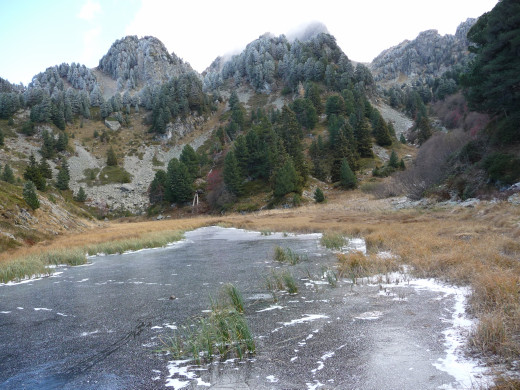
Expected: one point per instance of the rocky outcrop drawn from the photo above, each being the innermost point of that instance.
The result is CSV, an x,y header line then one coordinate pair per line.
x,y
428,55
135,62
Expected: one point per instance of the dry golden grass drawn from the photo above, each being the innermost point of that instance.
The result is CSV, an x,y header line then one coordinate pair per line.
x,y
477,247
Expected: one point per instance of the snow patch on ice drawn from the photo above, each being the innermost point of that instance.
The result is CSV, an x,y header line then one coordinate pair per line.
x,y
170,326
314,386
42,309
272,307
272,378
369,315
85,334
305,318
179,374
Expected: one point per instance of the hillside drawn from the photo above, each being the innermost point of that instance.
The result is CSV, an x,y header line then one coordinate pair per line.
x,y
20,226
263,128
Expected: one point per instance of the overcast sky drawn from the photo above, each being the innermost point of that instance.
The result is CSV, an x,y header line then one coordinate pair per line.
x,y
36,34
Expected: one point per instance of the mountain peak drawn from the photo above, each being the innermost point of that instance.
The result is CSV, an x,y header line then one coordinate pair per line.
x,y
134,61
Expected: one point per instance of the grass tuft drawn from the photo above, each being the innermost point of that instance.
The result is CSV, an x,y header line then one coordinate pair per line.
x,y
331,240
222,334
287,256
235,297
278,281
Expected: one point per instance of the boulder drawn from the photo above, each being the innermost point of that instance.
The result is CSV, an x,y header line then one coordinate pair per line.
x,y
112,125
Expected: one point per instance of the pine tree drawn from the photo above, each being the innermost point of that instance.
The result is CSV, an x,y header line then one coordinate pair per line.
x,y
286,180
402,139
241,152
394,160
8,174
63,141
157,189
319,197
81,196
382,134
111,157
105,109
190,158
30,196
47,150
347,178
313,94
364,139
493,78
1,138
33,173
233,176
402,167
62,181
179,187
291,134
424,129
45,169
391,130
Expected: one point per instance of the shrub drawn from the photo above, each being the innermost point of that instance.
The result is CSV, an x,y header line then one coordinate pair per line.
x,y
28,128
111,157
319,197
502,168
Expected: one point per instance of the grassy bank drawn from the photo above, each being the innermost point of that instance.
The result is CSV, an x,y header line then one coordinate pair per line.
x,y
35,264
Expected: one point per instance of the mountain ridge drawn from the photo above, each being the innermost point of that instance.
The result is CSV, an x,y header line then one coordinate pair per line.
x,y
428,55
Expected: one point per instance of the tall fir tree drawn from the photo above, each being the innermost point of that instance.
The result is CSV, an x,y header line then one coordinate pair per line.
x,y
241,152
157,189
233,177
45,169
394,160
382,134
32,173
424,130
286,179
364,138
190,158
63,178
30,196
179,185
291,134
492,83
348,179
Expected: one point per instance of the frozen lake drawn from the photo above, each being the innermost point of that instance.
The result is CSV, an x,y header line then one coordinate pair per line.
x,y
97,326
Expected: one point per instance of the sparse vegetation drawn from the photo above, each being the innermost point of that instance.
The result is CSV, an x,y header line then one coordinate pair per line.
x,y
331,240
287,256
223,333
279,281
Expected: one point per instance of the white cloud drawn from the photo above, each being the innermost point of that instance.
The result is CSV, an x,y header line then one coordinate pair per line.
x,y
90,47
89,10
